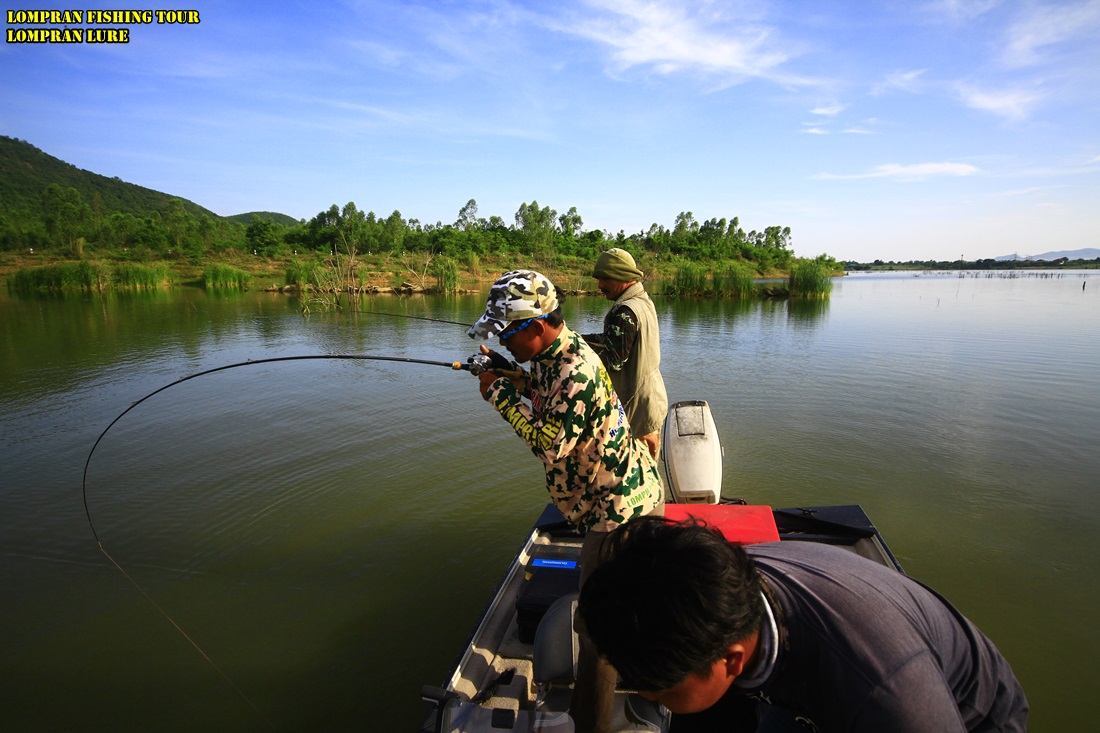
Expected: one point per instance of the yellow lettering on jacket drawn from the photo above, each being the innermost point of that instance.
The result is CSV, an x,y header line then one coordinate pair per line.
x,y
542,438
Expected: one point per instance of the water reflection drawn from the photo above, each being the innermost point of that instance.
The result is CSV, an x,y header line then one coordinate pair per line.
x,y
807,311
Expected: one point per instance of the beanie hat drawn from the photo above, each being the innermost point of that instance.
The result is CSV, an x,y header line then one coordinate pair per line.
x,y
516,296
616,264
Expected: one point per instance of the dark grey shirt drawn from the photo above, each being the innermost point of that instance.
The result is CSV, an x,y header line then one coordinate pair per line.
x,y
863,648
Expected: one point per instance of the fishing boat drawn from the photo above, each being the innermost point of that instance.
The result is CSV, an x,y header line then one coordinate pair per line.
x,y
516,670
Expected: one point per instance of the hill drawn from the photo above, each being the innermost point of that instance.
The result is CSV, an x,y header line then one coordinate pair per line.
x,y
1090,253
25,171
246,219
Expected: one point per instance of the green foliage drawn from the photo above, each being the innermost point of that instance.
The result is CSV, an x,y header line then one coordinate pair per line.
x,y
54,208
132,275
445,271
810,279
472,263
25,171
274,217
735,279
66,217
302,274
690,279
263,236
83,275
224,277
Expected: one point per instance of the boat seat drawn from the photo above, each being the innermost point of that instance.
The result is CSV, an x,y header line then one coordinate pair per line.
x,y
554,669
554,659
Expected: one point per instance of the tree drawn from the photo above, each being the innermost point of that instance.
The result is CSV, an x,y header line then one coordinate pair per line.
x,y
684,239
66,217
179,222
263,236
539,229
467,216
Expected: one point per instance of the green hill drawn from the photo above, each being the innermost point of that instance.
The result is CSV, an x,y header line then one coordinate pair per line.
x,y
246,219
25,171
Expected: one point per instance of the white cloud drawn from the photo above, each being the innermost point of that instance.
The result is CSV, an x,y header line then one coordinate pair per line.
x,y
828,110
1015,104
915,172
673,37
1044,26
962,10
905,81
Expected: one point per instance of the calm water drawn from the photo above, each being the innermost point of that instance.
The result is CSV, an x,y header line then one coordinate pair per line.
x,y
327,531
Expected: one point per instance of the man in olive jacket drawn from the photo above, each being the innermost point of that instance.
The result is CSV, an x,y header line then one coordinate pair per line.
x,y
630,345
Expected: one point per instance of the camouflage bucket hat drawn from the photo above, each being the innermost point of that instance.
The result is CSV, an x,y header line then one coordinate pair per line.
x,y
516,296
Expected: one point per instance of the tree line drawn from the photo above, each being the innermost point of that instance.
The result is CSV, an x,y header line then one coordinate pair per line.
x,y
982,264
66,223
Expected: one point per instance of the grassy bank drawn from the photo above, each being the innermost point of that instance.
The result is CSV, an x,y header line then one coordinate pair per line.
x,y
420,272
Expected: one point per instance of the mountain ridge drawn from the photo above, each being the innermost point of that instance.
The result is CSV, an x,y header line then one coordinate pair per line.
x,y
26,171
1088,253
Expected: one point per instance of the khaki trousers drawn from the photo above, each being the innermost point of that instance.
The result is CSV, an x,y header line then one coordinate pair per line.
x,y
594,689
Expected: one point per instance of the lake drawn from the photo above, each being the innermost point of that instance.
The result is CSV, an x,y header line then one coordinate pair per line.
x,y
327,531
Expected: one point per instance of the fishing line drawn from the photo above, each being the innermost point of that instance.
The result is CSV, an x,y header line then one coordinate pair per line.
x,y
417,318
84,482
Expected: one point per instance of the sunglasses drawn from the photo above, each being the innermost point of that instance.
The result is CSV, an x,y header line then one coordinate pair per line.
x,y
522,325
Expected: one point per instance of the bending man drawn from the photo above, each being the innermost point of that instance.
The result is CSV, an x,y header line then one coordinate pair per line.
x,y
832,641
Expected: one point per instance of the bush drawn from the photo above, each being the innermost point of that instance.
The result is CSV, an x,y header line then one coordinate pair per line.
x,y
690,279
131,275
735,280
83,275
446,274
810,279
223,276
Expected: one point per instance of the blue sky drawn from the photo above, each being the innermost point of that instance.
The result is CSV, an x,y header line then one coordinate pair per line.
x,y
875,130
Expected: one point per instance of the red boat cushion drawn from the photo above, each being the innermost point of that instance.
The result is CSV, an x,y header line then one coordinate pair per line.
x,y
741,523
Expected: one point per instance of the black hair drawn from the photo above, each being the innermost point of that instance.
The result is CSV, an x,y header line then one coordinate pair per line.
x,y
555,318
668,600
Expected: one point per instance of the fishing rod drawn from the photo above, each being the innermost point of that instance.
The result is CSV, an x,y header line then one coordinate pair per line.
x,y
475,364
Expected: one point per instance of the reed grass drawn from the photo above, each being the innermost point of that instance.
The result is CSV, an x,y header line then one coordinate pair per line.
x,y
472,263
690,279
302,275
224,277
82,275
810,279
735,280
142,277
445,270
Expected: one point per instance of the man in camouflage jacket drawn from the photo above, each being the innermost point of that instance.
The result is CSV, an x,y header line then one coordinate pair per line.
x,y
598,474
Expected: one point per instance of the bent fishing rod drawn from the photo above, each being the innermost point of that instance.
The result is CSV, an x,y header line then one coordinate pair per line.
x,y
475,364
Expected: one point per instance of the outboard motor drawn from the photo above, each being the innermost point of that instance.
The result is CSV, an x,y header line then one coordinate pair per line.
x,y
692,453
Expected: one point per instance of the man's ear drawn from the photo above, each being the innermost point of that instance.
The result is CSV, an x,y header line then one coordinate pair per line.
x,y
736,659
539,334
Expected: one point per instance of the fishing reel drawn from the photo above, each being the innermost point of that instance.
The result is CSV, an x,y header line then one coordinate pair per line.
x,y
479,363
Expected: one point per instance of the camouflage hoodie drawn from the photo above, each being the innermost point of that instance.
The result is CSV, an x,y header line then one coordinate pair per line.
x,y
598,475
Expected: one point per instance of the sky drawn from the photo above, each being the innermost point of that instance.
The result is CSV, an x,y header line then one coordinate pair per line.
x,y
908,130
